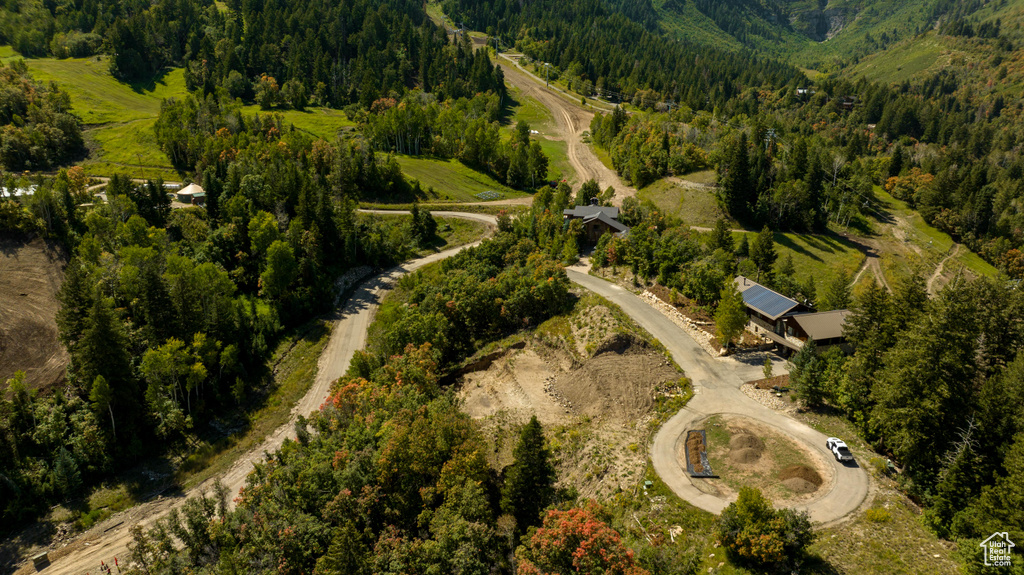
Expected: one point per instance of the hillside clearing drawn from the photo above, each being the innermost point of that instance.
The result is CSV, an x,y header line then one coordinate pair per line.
x,y
31,271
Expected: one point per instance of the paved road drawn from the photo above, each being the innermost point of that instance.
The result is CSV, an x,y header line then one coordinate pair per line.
x,y
716,382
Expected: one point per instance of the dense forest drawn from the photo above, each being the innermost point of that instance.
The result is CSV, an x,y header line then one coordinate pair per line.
x,y
169,317
597,49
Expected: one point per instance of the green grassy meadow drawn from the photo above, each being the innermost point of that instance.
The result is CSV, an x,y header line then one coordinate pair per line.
x,y
320,122
695,206
451,179
98,98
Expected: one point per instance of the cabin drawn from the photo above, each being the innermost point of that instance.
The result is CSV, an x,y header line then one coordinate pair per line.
x,y
787,322
597,220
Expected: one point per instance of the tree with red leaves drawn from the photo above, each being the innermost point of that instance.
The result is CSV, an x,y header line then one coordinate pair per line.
x,y
576,541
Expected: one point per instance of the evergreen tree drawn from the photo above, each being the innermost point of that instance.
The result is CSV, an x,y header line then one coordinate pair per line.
x,y
837,293
529,481
735,182
806,375
896,163
731,315
762,253
721,236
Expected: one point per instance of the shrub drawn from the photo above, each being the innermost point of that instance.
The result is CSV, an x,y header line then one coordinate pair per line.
x,y
753,532
878,515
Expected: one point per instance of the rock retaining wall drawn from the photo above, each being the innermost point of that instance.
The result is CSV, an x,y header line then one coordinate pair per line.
x,y
688,325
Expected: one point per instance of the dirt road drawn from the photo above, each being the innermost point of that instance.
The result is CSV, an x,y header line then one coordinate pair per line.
x,y
110,539
570,122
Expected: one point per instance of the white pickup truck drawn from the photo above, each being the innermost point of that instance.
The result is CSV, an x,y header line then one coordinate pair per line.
x,y
839,449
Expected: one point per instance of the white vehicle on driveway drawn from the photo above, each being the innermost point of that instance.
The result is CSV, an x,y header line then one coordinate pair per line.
x,y
839,449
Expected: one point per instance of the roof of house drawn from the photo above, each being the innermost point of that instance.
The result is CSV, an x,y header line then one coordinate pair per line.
x,y
585,211
770,303
823,325
616,225
189,190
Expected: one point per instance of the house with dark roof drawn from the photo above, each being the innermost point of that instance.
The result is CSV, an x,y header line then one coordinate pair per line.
x,y
597,220
787,322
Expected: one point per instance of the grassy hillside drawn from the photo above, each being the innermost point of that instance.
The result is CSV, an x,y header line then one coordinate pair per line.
x,y
811,34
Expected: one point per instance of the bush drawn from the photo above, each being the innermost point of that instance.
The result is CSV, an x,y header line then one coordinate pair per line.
x,y
755,533
878,515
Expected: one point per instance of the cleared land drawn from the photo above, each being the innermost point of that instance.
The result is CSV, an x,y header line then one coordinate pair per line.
x,y
691,202
592,380
31,272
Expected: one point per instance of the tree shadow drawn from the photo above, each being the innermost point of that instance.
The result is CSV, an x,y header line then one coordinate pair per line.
x,y
142,86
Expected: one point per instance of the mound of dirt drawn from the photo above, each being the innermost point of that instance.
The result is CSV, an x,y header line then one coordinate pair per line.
x,y
746,456
800,479
746,441
31,272
745,448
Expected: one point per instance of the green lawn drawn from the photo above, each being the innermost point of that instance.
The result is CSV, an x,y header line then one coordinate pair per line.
x,y
695,206
451,179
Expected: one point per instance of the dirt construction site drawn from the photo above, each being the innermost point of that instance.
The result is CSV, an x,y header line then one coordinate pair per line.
x,y
593,387
31,272
745,452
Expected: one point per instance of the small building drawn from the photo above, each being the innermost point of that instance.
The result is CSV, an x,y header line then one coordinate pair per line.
x,y
597,220
190,194
787,322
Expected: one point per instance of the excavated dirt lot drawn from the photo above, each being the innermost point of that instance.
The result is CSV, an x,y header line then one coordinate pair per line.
x,y
31,272
594,391
744,452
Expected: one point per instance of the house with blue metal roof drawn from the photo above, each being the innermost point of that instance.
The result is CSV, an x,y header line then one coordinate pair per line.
x,y
787,322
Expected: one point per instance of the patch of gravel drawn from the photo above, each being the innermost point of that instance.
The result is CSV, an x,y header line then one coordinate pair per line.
x,y
688,325
767,398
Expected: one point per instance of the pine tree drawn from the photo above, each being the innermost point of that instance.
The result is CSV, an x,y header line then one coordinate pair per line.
x,y
735,179
529,481
762,253
837,293
721,236
731,315
806,375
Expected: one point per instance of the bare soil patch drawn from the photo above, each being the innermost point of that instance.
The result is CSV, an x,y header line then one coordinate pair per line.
x,y
595,396
771,382
31,272
745,452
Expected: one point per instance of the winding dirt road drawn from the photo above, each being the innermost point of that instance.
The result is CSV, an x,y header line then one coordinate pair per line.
x,y
571,121
110,539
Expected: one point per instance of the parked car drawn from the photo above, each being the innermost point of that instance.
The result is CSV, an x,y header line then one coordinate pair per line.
x,y
839,449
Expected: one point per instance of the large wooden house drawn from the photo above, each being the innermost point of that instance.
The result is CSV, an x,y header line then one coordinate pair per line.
x,y
787,322
597,220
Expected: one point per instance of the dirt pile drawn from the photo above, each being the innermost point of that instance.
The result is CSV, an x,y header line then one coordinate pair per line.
x,y
694,447
745,448
31,272
800,479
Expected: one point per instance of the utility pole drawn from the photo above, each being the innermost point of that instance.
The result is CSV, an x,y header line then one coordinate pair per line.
x,y
547,74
